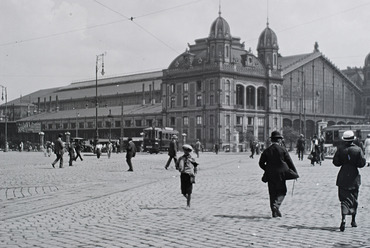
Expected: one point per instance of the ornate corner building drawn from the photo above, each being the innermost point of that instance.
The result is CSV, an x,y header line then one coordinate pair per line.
x,y
216,91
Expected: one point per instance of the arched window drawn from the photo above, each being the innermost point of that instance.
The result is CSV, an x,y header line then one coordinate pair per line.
x,y
239,96
250,97
261,98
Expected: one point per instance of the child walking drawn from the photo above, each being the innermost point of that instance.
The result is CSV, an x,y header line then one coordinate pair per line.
x,y
188,168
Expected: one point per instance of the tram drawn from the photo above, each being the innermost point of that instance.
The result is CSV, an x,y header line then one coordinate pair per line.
x,y
333,135
157,139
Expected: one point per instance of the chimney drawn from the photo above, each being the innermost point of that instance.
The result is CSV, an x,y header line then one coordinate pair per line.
x,y
153,100
38,105
50,106
56,103
143,94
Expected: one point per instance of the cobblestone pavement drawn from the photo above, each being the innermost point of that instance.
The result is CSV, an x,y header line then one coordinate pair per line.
x,y
97,203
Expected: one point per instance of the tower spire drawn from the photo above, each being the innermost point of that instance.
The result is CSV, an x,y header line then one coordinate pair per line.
x,y
267,23
219,7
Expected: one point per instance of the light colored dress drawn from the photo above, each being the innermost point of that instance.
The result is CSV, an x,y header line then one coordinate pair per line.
x,y
367,149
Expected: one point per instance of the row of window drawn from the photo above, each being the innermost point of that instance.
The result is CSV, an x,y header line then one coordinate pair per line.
x,y
108,124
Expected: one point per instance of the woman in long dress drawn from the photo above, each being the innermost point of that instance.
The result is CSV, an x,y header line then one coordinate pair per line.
x,y
349,158
367,149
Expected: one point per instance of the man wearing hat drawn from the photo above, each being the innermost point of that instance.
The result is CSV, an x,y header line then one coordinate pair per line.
x,y
301,143
59,151
130,153
275,161
349,157
172,151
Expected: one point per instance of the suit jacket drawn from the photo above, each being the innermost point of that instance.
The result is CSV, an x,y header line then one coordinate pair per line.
x,y
130,149
275,161
349,158
59,147
172,150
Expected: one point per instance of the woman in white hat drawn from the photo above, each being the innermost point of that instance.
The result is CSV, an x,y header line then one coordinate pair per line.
x,y
188,168
349,157
367,149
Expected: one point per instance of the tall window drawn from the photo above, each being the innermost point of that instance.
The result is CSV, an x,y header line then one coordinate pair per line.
x,y
227,99
128,123
227,120
199,100
172,121
186,87
261,98
211,100
212,85
138,123
240,96
172,103
250,121
227,85
82,125
211,120
172,88
239,120
186,101
185,121
261,122
199,120
250,97
199,85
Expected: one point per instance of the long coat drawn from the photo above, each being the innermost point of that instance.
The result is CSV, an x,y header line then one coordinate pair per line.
x,y
130,149
59,147
275,161
349,158
172,150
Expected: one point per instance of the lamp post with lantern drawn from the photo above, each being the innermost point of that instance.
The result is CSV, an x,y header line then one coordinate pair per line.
x,y
99,57
5,92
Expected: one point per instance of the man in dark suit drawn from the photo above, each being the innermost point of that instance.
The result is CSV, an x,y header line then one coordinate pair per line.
x,y
172,151
275,161
130,153
59,151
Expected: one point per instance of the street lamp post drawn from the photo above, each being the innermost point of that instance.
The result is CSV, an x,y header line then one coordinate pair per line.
x,y
4,90
98,57
110,117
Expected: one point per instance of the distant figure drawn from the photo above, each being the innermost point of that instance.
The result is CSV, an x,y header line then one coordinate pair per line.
x,y
301,143
322,148
198,147
109,149
71,153
276,162
172,151
217,148
59,151
21,147
315,151
98,148
130,153
253,148
188,168
349,157
78,148
367,149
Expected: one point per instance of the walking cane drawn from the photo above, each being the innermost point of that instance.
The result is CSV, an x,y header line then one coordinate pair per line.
x,y
293,186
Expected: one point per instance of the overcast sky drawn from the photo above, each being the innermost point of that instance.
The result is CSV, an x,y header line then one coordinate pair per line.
x,y
52,43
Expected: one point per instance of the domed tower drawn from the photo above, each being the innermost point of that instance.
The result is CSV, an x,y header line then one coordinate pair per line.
x,y
219,41
268,48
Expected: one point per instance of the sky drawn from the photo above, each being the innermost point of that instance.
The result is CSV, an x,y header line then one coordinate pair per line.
x,y
53,43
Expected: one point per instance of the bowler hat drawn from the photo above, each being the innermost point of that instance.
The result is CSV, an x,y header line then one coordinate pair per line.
x,y
348,136
187,147
276,135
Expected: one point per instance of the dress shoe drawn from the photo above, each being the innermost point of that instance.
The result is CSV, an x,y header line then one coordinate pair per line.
x,y
130,170
353,224
342,226
53,165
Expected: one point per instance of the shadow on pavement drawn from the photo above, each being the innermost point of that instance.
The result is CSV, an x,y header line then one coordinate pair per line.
x,y
331,229
242,217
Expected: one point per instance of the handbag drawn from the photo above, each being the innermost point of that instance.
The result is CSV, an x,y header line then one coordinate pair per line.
x,y
309,156
290,175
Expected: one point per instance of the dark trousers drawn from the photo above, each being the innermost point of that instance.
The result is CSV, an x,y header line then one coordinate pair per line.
x,y
300,154
169,161
277,192
60,159
78,155
129,163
